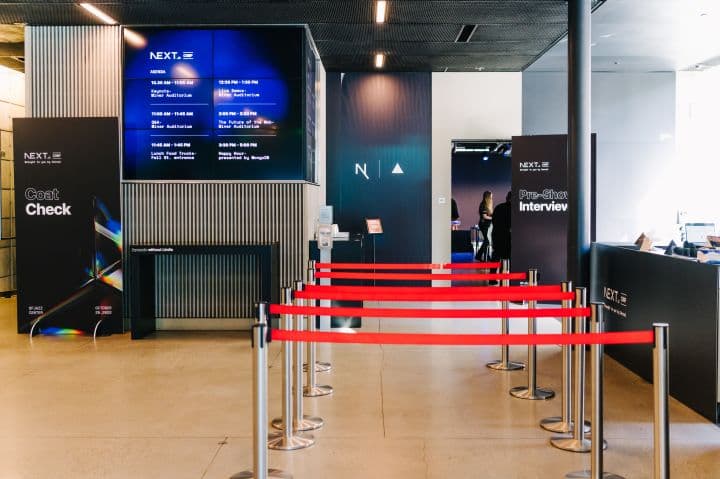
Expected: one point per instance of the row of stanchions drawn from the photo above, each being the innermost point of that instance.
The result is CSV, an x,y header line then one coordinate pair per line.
x,y
293,423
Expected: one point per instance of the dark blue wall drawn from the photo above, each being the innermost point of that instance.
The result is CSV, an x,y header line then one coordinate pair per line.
x,y
380,120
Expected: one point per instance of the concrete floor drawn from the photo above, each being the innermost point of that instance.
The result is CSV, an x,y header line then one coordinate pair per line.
x,y
179,406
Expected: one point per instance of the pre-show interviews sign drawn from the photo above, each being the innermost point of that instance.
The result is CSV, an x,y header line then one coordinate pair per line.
x,y
540,217
69,243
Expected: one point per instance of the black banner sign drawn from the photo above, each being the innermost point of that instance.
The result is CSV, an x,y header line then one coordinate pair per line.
x,y
540,205
69,246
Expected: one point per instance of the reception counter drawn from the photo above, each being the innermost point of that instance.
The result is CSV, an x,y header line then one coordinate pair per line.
x,y
640,288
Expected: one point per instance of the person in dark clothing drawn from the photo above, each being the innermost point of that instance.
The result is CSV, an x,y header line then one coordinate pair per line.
x,y
485,210
501,229
454,213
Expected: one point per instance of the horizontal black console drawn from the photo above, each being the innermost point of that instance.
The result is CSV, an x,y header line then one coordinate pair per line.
x,y
640,288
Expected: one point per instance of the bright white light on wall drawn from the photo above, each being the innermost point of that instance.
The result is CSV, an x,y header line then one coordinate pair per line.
x,y
134,38
380,11
102,16
379,60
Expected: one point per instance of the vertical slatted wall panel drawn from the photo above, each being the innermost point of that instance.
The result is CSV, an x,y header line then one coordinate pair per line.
x,y
73,71
214,213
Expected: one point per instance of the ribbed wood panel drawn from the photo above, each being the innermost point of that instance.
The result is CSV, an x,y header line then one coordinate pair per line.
x,y
73,71
214,213
206,286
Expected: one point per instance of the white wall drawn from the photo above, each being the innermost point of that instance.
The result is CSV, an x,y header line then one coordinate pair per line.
x,y
466,106
698,157
633,115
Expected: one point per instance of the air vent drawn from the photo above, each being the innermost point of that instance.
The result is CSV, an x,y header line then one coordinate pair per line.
x,y
466,32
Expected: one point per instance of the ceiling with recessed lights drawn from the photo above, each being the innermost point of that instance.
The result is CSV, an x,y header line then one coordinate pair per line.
x,y
506,35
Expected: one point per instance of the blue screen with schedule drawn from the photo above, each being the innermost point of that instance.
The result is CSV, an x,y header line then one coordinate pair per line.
x,y
214,103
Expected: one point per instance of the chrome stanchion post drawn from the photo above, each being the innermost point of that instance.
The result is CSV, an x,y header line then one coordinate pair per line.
x,y
320,366
260,432
564,423
287,440
532,391
597,372
504,363
312,389
577,443
661,429
300,421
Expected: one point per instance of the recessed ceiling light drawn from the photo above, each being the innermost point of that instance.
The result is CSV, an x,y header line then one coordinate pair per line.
x,y
380,11
593,44
479,68
379,60
104,17
607,35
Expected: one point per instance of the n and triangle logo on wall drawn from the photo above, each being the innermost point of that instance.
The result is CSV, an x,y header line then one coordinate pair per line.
x,y
397,170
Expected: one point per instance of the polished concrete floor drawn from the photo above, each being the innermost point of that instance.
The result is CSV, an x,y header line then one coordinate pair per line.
x,y
179,406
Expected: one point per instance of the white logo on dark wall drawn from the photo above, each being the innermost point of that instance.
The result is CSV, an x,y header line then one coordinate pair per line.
x,y
42,157
172,55
616,301
38,205
541,166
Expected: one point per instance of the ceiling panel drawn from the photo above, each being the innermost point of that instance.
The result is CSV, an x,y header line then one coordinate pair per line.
x,y
418,35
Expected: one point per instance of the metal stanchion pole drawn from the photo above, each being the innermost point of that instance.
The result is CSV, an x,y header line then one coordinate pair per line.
x,y
320,366
300,421
532,391
597,372
287,440
504,363
577,443
661,428
260,432
312,389
564,423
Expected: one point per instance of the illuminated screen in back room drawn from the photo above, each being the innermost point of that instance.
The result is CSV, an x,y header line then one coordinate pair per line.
x,y
205,104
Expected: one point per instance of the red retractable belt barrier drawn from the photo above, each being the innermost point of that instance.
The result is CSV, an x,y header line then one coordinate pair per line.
x,y
432,289
406,266
627,337
419,276
430,296
429,313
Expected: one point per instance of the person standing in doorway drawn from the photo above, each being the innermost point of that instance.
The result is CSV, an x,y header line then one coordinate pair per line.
x,y
501,229
485,210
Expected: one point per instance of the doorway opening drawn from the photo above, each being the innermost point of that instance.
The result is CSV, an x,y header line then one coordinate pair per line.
x,y
477,166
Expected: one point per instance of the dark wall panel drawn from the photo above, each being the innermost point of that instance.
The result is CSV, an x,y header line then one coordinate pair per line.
x,y
379,123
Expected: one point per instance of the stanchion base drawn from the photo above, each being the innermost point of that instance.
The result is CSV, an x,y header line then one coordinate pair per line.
x,y
584,474
317,391
571,444
279,442
320,367
540,394
556,424
271,473
498,365
309,423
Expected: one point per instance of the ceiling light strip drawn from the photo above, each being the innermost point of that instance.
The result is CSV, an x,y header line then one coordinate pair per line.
x,y
380,11
379,60
102,16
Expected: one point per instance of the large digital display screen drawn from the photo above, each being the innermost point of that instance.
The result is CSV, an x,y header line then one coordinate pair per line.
x,y
216,104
